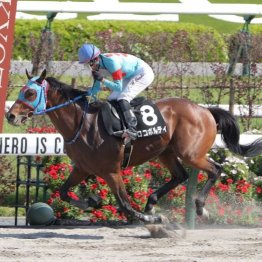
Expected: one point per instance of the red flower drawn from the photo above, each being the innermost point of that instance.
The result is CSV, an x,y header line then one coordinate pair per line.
x,y
138,179
259,190
66,209
183,188
135,206
238,212
103,193
53,174
99,214
50,201
126,181
155,164
44,129
201,177
149,192
94,186
83,183
147,175
229,180
101,181
223,187
137,194
243,186
110,208
72,195
127,172
56,194
221,211
58,214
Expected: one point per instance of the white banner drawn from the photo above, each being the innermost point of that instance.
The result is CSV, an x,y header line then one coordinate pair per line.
x,y
31,144
53,144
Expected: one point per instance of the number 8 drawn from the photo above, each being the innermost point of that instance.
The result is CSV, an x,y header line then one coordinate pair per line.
x,y
149,116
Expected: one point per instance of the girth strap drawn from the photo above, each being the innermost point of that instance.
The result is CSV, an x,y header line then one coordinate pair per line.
x,y
128,149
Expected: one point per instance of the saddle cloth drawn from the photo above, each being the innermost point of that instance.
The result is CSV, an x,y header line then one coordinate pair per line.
x,y
149,119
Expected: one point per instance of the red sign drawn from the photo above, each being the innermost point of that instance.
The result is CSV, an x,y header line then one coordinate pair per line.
x,y
7,22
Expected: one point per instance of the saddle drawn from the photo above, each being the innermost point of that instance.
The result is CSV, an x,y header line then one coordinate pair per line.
x,y
149,122
149,119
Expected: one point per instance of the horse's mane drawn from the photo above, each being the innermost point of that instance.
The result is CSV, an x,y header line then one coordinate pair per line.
x,y
66,90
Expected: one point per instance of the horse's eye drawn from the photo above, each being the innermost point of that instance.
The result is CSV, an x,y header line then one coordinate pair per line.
x,y
30,95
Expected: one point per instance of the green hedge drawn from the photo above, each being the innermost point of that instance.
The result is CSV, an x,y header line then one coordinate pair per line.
x,y
197,42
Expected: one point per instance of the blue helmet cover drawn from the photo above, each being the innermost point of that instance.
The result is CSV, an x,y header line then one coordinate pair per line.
x,y
87,52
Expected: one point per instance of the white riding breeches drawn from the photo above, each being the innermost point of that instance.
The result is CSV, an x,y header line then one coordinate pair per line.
x,y
134,85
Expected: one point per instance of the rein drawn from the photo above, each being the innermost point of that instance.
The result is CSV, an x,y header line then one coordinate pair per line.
x,y
71,141
71,101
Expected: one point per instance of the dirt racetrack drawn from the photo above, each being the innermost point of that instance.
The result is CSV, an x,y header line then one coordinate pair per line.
x,y
129,243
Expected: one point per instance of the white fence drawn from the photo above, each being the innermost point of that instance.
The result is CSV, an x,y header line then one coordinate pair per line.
x,y
74,69
53,144
146,8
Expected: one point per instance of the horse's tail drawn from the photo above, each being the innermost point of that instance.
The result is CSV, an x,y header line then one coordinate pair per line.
x,y
230,134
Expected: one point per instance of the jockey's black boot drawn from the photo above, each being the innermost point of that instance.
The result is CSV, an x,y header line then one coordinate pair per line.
x,y
129,118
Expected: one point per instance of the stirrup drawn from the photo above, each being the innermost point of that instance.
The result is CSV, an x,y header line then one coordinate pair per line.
x,y
131,134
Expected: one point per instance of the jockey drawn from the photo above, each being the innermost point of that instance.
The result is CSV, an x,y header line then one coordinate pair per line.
x,y
130,76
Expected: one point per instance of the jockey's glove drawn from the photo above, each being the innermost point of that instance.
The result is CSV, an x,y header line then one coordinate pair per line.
x,y
97,76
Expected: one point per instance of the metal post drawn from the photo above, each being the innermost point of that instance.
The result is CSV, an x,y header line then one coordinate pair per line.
x,y
44,53
28,183
231,96
246,46
243,49
18,180
190,195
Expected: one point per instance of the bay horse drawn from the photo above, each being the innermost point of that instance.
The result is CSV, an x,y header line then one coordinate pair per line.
x,y
191,132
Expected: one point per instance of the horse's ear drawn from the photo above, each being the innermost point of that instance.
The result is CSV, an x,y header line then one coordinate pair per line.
x,y
42,77
27,74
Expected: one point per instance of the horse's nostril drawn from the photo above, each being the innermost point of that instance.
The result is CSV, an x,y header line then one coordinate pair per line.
x,y
10,117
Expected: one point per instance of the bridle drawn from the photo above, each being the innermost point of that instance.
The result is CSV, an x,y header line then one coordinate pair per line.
x,y
39,105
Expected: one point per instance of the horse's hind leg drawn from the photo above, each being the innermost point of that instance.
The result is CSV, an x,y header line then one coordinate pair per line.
x,y
179,175
213,170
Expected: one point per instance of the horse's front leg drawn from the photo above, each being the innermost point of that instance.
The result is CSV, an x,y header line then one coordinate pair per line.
x,y
74,179
115,182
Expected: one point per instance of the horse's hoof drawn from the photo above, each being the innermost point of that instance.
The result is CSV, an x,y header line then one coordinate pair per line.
x,y
199,207
199,211
149,219
152,200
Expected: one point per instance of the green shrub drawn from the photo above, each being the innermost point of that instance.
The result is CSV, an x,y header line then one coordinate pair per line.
x,y
7,178
201,42
255,165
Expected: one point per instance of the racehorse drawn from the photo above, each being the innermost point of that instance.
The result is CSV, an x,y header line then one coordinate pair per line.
x,y
191,132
